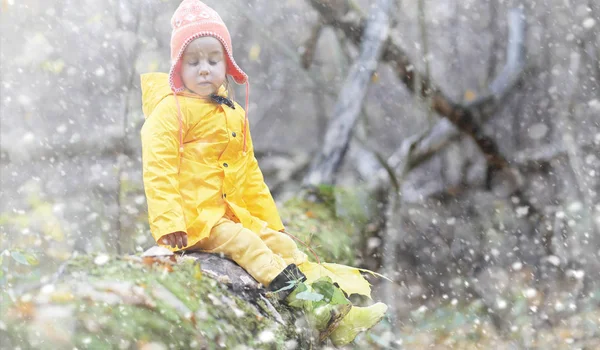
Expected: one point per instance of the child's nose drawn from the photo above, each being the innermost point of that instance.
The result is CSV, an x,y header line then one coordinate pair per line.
x,y
204,69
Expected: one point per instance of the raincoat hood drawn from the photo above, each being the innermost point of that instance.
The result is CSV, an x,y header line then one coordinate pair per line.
x,y
155,87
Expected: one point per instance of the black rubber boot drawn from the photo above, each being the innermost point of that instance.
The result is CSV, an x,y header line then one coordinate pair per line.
x,y
281,283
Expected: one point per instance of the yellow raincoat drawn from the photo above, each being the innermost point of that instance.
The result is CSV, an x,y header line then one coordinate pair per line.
x,y
199,188
191,190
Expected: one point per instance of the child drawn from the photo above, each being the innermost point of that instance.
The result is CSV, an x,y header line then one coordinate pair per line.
x,y
203,185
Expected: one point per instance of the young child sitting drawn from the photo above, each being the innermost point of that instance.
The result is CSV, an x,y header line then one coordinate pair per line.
x,y
203,185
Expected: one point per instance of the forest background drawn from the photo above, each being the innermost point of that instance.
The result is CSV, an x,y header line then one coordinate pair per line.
x,y
459,138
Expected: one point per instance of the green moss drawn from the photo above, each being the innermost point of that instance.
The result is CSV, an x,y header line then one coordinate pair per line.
x,y
316,225
220,319
332,224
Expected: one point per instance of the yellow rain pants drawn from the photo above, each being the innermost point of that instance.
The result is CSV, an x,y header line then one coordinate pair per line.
x,y
263,255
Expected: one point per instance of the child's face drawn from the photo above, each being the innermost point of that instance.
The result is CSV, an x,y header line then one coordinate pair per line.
x,y
203,66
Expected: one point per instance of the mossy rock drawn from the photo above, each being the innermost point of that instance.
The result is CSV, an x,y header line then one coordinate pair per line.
x,y
331,221
140,303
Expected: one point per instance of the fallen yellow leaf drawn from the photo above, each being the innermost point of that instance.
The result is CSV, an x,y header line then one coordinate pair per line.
x,y
254,53
197,272
470,95
348,278
375,77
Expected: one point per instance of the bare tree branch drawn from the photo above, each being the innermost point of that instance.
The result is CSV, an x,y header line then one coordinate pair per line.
x,y
465,118
350,100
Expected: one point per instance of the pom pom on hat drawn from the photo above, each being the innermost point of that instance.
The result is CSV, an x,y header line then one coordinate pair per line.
x,y
194,19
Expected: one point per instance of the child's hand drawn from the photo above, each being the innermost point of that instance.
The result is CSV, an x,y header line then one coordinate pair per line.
x,y
176,239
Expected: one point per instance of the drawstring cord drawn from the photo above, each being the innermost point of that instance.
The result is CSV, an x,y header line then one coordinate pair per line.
x,y
246,119
180,117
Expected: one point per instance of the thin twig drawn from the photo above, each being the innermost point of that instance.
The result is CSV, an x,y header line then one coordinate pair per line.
x,y
306,245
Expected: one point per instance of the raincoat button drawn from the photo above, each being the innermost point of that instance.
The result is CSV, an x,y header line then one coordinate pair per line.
x,y
233,134
225,165
224,195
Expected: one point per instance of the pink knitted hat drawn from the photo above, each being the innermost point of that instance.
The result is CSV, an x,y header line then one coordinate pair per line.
x,y
194,19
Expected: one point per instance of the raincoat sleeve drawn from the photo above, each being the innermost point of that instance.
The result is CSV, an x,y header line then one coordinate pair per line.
x,y
160,158
257,196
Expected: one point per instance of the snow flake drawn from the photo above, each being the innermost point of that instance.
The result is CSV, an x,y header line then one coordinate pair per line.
x,y
238,312
577,274
266,336
522,211
48,289
517,266
139,200
28,137
575,207
530,293
558,306
76,137
501,304
589,23
101,259
590,159
533,309
61,129
291,344
24,100
554,260
373,243
99,72
215,301
141,239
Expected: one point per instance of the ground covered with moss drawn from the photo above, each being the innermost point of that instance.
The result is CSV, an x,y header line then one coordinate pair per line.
x,y
131,302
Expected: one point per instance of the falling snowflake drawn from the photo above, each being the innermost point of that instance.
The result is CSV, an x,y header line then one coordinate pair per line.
x,y
101,259
589,23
